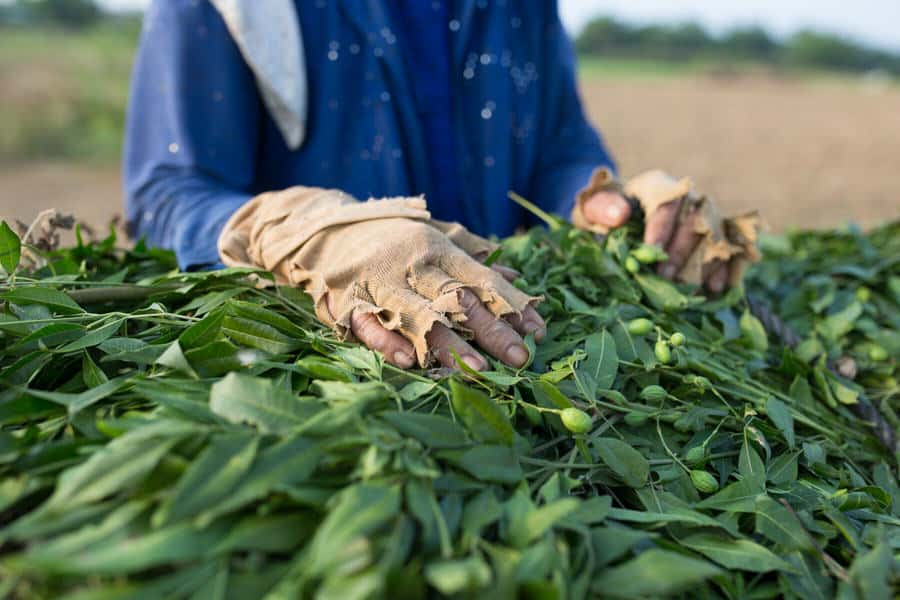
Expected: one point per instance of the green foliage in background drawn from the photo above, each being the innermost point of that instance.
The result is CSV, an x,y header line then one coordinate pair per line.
x,y
63,92
190,435
72,14
609,37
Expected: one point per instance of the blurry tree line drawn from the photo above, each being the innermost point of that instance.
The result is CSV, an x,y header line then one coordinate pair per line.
x,y
72,14
688,41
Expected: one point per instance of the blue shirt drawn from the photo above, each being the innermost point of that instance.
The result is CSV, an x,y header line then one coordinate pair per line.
x,y
200,143
423,33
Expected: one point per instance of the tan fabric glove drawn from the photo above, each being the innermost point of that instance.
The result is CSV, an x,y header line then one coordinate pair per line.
x,y
730,239
385,257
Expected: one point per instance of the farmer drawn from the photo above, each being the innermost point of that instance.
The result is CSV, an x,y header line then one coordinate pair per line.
x,y
255,129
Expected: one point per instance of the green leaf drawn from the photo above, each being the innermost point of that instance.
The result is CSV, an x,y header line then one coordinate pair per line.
x,y
360,511
259,335
246,399
451,577
118,465
653,574
870,576
432,430
626,462
783,469
203,332
10,248
142,550
598,370
753,332
270,533
52,298
741,554
209,479
781,416
615,541
488,463
779,525
78,402
751,466
487,421
661,293
287,463
739,496
94,337
538,521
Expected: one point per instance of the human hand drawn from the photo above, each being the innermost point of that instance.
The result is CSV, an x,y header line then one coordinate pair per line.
x,y
385,272
676,226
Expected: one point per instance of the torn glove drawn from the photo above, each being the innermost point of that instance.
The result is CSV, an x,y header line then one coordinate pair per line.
x,y
732,240
384,257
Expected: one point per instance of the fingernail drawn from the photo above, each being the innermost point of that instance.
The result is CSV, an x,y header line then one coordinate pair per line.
x,y
668,271
473,361
536,328
615,212
402,359
517,355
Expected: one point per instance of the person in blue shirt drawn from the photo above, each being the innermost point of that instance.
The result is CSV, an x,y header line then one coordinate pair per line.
x,y
458,100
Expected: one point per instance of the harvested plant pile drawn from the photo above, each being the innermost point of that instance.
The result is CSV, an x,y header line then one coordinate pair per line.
x,y
187,435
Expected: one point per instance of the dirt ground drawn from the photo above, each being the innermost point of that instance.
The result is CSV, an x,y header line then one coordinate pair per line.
x,y
806,154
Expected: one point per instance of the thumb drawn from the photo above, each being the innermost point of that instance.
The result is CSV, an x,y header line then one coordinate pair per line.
x,y
606,208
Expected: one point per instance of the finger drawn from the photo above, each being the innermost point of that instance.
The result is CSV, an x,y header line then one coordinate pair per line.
x,y
494,335
659,228
529,322
397,349
717,278
508,274
683,243
442,339
606,208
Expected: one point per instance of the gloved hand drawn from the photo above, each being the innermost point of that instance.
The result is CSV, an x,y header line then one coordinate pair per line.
x,y
703,248
383,272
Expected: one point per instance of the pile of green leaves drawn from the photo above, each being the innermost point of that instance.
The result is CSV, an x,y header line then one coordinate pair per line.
x,y
190,435
840,292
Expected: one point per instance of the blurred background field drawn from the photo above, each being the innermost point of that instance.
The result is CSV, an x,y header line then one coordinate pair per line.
x,y
805,127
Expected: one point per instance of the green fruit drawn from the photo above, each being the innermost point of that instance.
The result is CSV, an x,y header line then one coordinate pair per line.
x,y
632,265
754,332
648,254
677,339
662,352
576,420
640,326
695,455
877,353
653,393
863,294
636,418
704,481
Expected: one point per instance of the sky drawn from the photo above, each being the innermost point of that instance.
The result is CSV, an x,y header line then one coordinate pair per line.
x,y
874,22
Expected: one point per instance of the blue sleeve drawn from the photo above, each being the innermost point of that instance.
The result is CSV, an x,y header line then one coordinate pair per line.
x,y
192,131
570,147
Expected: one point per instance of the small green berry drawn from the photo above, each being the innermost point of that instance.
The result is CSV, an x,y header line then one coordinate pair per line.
x,y
662,352
632,265
863,294
877,353
640,326
695,455
648,254
636,418
704,481
653,393
576,420
677,339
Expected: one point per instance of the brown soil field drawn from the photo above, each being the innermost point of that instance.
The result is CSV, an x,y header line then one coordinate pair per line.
x,y
807,154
